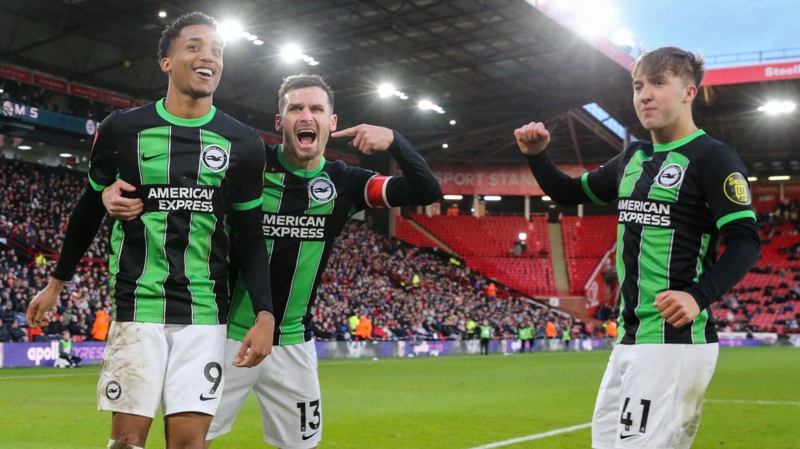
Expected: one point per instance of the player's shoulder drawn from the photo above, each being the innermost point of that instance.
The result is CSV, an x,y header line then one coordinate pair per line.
x,y
712,151
128,115
234,127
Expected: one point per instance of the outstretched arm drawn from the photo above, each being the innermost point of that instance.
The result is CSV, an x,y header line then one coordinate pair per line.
x,y
417,186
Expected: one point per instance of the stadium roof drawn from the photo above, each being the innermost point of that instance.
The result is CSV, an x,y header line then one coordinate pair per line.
x,y
491,65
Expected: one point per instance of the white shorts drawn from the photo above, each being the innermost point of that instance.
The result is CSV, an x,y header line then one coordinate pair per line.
x,y
652,395
287,387
147,364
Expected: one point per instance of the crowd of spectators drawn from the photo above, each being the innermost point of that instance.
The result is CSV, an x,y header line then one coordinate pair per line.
x,y
403,292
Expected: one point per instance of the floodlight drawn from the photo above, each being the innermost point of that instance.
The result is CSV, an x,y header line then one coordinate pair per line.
x,y
453,197
546,198
779,178
24,147
491,198
65,155
523,236
291,53
425,104
778,107
162,14
231,30
444,145
385,90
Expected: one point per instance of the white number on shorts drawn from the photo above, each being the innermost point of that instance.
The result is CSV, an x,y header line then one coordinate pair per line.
x,y
313,425
215,379
628,422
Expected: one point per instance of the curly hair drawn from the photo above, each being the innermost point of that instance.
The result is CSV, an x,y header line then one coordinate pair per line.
x,y
171,32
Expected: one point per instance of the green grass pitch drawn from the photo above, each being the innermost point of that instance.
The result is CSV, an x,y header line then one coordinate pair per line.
x,y
455,402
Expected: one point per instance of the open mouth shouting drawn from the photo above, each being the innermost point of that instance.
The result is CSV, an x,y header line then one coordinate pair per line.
x,y
306,137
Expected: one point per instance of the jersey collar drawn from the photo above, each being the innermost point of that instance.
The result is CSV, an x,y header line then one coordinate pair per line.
x,y
299,171
194,122
678,143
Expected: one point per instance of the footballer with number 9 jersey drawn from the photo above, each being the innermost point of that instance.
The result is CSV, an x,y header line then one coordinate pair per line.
x,y
193,167
677,194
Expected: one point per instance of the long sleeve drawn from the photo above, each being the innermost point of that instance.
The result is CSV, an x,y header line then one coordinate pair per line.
x,y
560,187
83,225
742,250
418,185
251,251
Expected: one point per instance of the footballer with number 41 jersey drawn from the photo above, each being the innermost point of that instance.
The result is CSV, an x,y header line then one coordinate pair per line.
x,y
676,196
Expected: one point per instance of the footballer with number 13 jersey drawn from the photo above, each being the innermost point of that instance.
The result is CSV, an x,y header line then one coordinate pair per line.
x,y
304,211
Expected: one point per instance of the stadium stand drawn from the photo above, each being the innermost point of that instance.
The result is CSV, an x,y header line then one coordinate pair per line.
x,y
405,291
586,241
408,233
486,244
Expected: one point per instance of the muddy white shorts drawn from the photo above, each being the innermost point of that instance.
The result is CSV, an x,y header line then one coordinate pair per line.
x,y
176,366
286,385
651,396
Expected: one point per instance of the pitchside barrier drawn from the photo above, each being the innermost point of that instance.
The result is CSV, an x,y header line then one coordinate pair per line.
x,y
19,355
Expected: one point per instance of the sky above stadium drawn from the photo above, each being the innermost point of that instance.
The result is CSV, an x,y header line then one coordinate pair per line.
x,y
712,27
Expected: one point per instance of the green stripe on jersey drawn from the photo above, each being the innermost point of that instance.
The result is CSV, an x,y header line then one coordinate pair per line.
x,y
117,239
207,176
632,173
588,190
187,122
308,260
735,216
669,194
653,279
699,323
198,253
154,146
659,147
150,303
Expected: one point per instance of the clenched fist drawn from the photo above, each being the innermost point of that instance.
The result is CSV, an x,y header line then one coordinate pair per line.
x,y
532,138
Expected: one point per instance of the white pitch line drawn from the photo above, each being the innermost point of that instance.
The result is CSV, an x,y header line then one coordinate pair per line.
x,y
48,375
534,436
739,401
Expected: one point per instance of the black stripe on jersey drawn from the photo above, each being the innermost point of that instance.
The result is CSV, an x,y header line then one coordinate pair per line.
x,y
178,304
132,254
631,238
682,268
218,272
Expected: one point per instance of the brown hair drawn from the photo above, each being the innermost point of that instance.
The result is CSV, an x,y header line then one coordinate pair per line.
x,y
301,81
681,63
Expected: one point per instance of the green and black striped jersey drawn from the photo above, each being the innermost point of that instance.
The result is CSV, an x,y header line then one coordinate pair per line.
x,y
673,200
170,265
303,214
